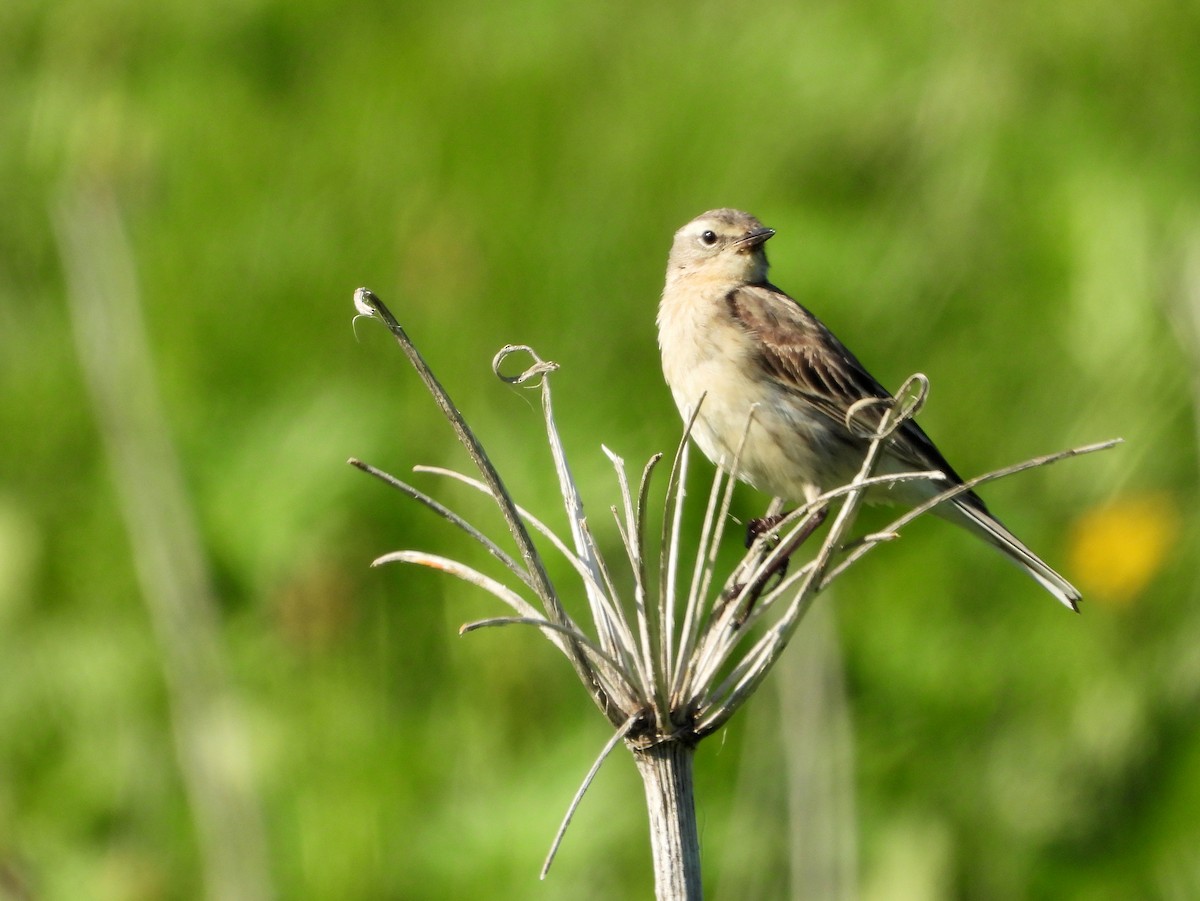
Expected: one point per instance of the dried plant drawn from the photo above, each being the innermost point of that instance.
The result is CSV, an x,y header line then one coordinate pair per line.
x,y
671,664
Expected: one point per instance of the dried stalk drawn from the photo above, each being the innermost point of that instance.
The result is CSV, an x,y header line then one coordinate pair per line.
x,y
683,661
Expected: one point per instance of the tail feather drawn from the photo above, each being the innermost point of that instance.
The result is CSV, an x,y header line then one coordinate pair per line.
x,y
991,530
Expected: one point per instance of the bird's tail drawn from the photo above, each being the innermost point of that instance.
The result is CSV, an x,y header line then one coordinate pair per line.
x,y
994,533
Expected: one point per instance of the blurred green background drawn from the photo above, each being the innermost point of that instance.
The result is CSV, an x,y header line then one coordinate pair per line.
x,y
1005,196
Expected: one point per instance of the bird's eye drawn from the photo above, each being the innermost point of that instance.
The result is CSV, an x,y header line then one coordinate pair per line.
x,y
709,238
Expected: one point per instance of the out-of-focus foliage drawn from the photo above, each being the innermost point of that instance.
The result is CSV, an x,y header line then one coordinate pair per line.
x,y
1003,195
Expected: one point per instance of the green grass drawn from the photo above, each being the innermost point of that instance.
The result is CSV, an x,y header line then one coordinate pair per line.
x,y
1005,198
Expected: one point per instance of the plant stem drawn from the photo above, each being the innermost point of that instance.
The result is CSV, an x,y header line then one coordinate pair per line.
x,y
211,745
666,770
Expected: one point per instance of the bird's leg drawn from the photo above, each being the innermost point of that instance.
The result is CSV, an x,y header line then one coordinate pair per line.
x,y
780,568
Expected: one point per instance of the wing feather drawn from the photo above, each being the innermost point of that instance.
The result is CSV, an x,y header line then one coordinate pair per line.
x,y
801,355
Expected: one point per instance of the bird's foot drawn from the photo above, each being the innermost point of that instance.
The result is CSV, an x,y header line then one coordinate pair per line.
x,y
758,527
754,530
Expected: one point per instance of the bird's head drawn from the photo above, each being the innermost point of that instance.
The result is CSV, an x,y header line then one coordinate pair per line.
x,y
722,245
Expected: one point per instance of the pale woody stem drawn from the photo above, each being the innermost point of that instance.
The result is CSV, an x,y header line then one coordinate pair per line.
x,y
666,771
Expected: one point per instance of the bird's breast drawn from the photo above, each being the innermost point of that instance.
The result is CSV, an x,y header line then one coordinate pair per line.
x,y
707,355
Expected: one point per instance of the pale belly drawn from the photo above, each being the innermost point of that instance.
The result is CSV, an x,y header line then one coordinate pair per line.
x,y
781,447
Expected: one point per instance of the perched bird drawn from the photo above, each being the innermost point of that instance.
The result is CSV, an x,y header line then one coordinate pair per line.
x,y
732,338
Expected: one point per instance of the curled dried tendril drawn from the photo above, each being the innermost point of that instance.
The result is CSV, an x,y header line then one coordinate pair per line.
x,y
540,367
906,404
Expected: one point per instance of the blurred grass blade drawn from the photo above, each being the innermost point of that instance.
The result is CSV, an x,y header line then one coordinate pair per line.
x,y
117,368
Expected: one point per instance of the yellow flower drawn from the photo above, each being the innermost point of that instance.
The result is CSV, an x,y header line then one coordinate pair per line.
x,y
1116,549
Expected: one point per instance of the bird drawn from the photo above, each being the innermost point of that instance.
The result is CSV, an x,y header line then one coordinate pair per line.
x,y
733,343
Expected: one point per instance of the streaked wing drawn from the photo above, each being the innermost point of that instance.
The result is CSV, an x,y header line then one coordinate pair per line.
x,y
800,354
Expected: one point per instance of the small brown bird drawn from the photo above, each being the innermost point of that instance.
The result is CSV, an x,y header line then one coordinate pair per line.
x,y
730,336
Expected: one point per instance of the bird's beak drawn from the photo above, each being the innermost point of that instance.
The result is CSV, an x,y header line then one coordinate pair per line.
x,y
757,237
